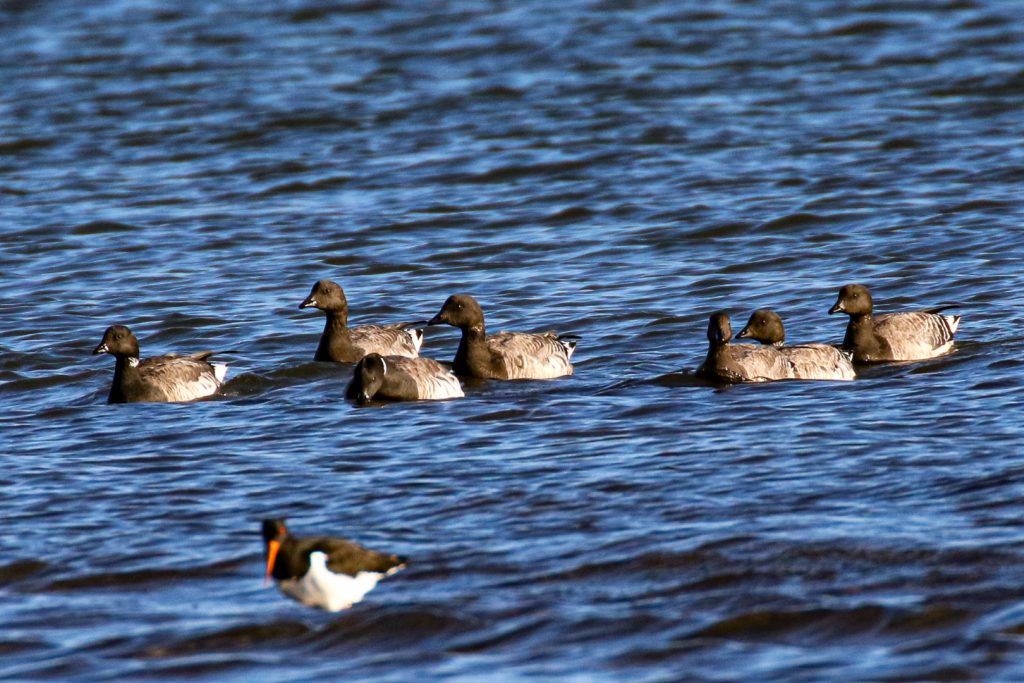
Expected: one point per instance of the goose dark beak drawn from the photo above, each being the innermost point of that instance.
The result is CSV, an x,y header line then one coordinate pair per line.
x,y
102,348
838,308
743,334
309,301
438,319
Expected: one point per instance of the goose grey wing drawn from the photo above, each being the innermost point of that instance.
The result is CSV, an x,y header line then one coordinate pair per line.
x,y
820,361
749,363
532,356
430,379
917,335
180,378
387,340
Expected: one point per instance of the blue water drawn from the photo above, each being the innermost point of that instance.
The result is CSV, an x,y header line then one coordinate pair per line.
x,y
613,170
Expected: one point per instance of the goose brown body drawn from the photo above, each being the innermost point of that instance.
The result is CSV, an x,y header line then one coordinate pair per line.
x,y
506,355
394,378
169,378
340,343
809,361
741,362
915,335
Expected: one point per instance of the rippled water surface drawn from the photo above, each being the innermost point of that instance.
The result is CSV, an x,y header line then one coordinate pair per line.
x,y
614,170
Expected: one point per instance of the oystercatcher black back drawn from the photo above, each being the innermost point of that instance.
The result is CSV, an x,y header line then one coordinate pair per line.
x,y
323,571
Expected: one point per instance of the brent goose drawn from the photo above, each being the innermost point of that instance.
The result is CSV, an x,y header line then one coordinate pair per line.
x,y
325,572
810,361
396,378
506,355
160,378
741,362
892,336
343,344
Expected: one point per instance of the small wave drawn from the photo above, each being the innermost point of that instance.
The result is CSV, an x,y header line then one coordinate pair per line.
x,y
389,628
828,624
300,186
15,147
868,27
242,637
19,570
140,576
897,143
572,214
794,220
100,227
509,173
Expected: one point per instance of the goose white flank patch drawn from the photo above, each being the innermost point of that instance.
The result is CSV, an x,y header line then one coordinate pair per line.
x,y
325,572
741,362
506,355
809,361
916,335
394,378
170,378
343,344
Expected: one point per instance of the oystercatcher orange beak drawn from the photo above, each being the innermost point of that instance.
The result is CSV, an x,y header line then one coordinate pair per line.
x,y
272,548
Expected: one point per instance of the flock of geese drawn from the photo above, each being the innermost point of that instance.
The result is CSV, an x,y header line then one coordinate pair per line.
x,y
334,573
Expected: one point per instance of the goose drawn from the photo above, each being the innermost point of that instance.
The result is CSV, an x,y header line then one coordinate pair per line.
x,y
343,344
167,378
741,362
916,335
810,361
506,355
401,379
326,572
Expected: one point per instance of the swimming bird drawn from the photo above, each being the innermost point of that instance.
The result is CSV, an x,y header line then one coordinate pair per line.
x,y
506,355
325,572
892,336
809,361
343,344
401,379
160,378
741,362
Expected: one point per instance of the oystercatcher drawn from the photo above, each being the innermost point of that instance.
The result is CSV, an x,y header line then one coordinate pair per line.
x,y
330,573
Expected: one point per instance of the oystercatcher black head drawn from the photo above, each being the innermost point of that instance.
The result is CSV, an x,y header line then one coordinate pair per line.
x,y
325,572
274,533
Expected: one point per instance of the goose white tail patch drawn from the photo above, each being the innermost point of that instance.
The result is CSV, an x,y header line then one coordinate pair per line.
x,y
417,338
220,371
